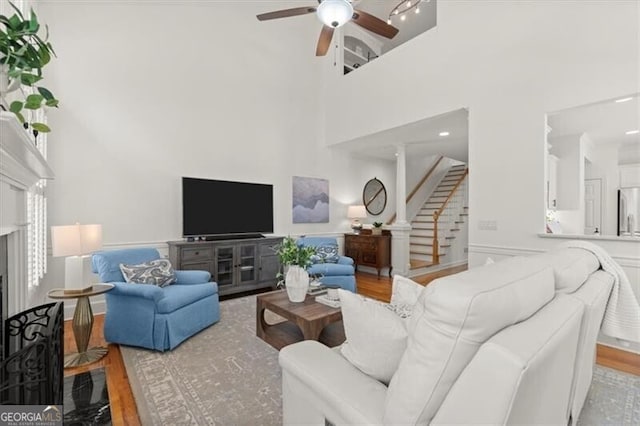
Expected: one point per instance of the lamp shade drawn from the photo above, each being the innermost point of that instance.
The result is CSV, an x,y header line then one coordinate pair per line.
x,y
75,240
335,13
356,212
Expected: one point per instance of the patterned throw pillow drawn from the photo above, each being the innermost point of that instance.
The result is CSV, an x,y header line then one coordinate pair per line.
x,y
327,253
157,272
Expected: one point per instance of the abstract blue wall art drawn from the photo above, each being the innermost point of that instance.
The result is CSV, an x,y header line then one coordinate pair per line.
x,y
310,200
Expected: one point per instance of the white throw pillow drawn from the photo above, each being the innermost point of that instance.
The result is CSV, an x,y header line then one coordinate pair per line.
x,y
377,332
376,336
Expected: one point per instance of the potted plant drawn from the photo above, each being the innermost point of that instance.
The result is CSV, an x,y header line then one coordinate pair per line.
x,y
23,55
295,260
377,228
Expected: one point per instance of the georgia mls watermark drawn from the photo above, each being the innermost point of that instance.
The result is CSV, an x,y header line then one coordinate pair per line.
x,y
30,415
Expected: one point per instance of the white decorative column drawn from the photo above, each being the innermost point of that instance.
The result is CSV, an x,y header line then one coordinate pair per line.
x,y
401,229
401,185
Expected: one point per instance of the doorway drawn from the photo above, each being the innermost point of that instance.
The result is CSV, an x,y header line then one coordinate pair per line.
x,y
592,206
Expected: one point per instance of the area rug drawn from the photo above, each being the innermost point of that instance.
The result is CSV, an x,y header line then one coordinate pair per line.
x,y
226,375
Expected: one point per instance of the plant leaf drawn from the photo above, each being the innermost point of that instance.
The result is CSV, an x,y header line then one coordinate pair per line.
x,y
15,22
33,22
15,107
17,10
52,103
33,98
34,101
20,117
46,93
41,127
29,79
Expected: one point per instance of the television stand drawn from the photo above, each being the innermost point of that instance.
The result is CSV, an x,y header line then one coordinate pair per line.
x,y
238,263
232,237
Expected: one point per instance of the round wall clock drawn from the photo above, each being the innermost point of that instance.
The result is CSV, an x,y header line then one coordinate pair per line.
x,y
374,196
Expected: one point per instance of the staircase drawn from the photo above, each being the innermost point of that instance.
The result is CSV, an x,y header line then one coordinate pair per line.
x,y
424,227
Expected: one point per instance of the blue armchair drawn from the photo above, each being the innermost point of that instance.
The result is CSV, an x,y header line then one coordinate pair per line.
x,y
341,273
149,316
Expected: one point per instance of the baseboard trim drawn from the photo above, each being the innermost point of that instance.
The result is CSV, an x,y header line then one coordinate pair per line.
x,y
423,271
618,359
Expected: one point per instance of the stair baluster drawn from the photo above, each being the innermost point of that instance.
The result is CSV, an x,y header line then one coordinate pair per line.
x,y
450,218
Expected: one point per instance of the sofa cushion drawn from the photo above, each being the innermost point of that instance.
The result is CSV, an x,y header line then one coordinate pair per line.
x,y
452,318
107,263
376,332
156,272
330,269
177,296
571,267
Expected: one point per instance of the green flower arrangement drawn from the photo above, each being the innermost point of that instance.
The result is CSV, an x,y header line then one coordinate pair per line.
x,y
23,55
291,254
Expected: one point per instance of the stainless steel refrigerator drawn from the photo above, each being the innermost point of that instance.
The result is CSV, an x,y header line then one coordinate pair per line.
x,y
629,212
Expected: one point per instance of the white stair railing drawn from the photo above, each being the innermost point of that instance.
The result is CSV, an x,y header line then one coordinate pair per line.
x,y
445,218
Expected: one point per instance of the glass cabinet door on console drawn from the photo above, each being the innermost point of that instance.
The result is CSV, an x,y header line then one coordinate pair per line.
x,y
237,265
224,265
246,263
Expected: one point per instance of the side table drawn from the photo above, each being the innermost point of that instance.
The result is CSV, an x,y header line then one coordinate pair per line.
x,y
82,325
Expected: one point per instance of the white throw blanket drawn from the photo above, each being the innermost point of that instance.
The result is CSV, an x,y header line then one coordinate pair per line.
x,y
622,314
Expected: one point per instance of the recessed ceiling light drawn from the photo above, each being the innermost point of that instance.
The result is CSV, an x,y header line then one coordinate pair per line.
x,y
619,101
632,132
444,133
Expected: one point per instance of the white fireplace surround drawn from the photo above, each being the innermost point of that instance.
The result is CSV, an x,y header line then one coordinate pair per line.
x,y
21,166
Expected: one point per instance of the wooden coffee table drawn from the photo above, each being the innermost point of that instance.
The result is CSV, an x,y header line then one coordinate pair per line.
x,y
308,320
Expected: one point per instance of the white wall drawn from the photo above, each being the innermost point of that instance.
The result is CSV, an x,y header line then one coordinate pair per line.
x,y
152,91
509,63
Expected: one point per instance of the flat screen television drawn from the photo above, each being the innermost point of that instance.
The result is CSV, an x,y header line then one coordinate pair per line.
x,y
213,208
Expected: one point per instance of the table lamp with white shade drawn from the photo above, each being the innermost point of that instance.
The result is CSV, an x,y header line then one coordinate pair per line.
x,y
355,213
76,242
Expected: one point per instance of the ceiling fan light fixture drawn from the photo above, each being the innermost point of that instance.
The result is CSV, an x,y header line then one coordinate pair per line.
x,y
335,13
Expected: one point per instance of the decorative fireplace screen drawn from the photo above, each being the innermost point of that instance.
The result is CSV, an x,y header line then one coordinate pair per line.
x,y
31,371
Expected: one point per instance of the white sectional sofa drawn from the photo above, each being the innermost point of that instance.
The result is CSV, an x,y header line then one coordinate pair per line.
x,y
507,343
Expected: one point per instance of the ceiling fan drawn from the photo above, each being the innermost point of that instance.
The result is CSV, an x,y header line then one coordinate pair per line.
x,y
333,14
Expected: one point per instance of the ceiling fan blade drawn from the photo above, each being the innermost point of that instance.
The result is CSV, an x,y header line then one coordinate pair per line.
x,y
324,41
373,24
286,13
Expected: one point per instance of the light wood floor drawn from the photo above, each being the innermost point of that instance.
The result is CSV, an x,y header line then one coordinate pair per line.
x,y
123,406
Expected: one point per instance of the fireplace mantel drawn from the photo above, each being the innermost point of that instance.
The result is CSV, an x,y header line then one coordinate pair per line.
x,y
21,164
21,167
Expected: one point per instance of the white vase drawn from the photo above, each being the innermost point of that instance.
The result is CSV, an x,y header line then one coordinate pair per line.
x,y
297,283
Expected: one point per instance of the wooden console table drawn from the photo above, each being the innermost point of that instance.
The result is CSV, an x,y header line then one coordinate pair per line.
x,y
369,250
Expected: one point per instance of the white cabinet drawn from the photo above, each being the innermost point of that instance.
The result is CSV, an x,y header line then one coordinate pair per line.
x,y
629,175
552,182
